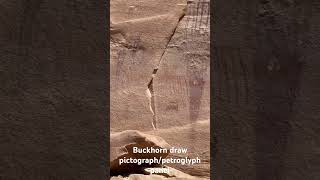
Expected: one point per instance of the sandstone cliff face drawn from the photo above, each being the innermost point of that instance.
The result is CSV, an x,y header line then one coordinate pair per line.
x,y
137,46
159,64
160,57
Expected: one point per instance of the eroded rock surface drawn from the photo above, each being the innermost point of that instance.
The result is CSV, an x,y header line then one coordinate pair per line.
x,y
160,57
122,145
172,175
198,147
182,83
138,42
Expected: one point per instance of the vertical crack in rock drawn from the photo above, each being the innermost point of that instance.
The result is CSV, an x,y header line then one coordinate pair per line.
x,y
150,89
171,36
150,95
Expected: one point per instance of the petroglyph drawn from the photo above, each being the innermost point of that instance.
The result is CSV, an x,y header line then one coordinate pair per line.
x,y
139,43
165,70
197,17
186,65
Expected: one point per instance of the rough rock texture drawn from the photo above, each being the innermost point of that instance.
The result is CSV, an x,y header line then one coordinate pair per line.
x,y
122,144
121,147
198,147
160,72
182,84
181,176
157,177
173,175
137,46
159,76
53,90
265,88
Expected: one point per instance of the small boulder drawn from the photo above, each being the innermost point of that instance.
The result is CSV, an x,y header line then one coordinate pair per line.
x,y
122,145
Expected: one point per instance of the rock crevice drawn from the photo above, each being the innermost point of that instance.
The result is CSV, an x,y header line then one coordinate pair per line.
x,y
150,90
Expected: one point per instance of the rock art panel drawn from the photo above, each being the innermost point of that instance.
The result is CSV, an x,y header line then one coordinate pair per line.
x,y
182,83
160,85
138,42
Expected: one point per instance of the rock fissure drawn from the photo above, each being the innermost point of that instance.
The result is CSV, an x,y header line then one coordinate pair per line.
x,y
150,89
171,36
160,85
150,94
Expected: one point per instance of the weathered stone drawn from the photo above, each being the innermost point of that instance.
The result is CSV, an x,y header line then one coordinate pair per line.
x,y
122,145
182,83
137,46
160,73
173,175
180,136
